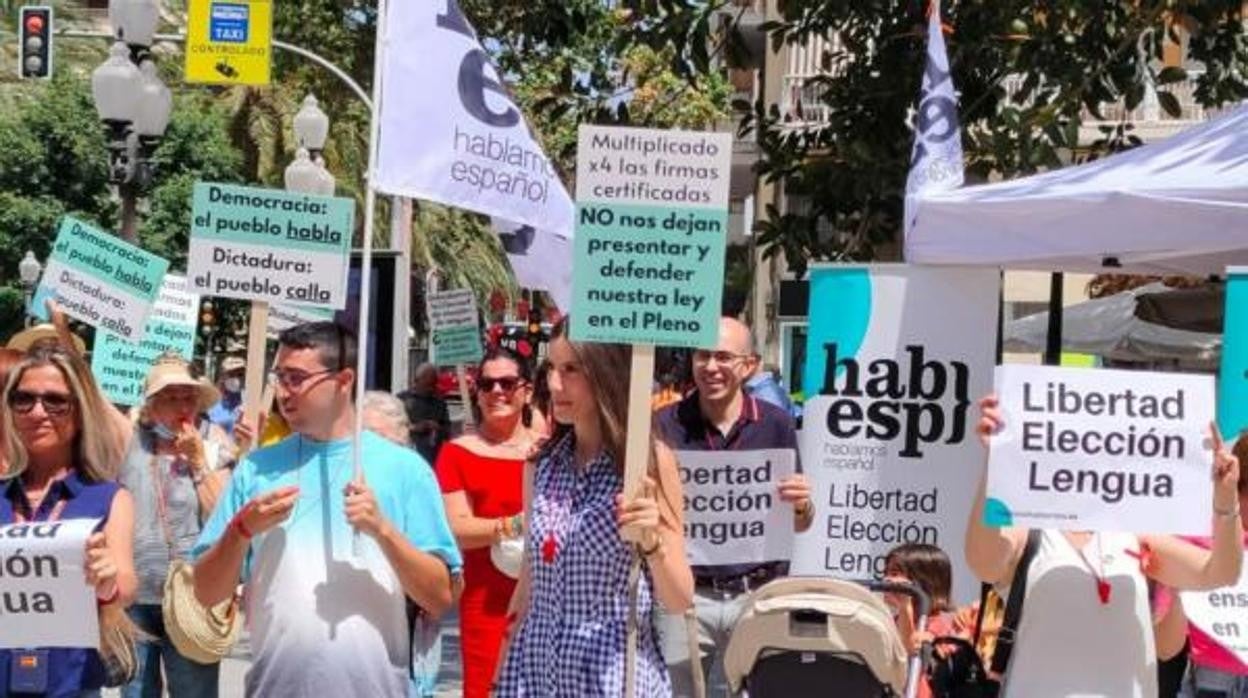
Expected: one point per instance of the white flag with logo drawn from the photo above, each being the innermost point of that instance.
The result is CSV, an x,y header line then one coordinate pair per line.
x,y
450,133
936,163
532,253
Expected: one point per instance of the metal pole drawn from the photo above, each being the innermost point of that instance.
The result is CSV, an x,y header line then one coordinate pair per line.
x,y
299,50
28,292
401,240
1053,346
129,214
366,262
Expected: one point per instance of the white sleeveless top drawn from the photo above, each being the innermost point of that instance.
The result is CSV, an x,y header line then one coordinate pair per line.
x,y
1069,644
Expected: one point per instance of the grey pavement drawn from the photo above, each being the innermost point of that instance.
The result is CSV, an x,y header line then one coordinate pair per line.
x,y
450,678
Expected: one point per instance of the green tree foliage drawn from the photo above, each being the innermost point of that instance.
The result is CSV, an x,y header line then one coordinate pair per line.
x,y
1029,75
53,162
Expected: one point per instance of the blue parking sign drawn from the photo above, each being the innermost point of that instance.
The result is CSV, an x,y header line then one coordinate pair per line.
x,y
229,23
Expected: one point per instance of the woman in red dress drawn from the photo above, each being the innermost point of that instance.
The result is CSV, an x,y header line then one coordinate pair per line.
x,y
481,475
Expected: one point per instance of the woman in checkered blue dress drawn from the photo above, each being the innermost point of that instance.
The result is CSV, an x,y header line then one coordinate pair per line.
x,y
572,607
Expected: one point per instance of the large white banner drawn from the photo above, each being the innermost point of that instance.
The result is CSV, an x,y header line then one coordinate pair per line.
x,y
1093,449
896,357
733,512
451,133
1222,615
44,597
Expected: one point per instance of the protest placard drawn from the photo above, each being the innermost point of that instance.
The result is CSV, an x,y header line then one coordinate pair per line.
x,y
652,219
229,42
733,512
896,357
284,317
455,328
1222,615
120,367
652,225
271,246
100,279
1101,450
44,597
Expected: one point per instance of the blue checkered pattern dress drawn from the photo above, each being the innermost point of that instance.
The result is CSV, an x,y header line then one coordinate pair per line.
x,y
571,643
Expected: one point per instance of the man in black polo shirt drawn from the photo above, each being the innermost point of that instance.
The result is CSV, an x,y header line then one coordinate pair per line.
x,y
719,415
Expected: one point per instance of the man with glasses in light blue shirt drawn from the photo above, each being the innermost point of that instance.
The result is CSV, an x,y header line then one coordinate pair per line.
x,y
326,618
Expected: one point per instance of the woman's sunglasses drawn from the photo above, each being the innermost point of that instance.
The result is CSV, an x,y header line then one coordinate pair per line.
x,y
508,384
54,404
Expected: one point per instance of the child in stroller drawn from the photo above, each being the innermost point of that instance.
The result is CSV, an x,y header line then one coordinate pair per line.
x,y
808,636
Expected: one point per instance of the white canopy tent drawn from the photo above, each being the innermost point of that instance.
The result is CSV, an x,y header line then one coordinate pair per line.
x,y
1109,327
1178,206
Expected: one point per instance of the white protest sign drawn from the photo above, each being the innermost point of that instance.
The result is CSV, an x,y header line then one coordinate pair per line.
x,y
1101,450
1222,614
269,245
652,224
455,327
284,317
733,512
896,357
44,597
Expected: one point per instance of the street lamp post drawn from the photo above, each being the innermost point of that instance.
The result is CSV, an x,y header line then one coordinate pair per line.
x,y
29,269
133,104
311,127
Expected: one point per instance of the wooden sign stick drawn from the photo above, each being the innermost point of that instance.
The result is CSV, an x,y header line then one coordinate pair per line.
x,y
637,447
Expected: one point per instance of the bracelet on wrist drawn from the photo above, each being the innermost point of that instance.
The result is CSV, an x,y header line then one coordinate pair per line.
x,y
652,550
517,525
241,528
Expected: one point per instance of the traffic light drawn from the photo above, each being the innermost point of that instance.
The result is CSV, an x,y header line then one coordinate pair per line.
x,y
34,49
534,330
207,318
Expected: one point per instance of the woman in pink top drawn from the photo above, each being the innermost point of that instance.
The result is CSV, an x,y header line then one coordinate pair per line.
x,y
1214,671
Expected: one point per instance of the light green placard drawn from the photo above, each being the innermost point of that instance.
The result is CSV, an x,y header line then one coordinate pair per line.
x,y
648,274
108,259
272,218
454,346
120,367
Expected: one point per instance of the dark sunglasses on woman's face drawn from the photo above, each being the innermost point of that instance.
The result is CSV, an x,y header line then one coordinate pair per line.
x,y
508,384
54,404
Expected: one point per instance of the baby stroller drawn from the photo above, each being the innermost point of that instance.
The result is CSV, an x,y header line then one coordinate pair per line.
x,y
809,636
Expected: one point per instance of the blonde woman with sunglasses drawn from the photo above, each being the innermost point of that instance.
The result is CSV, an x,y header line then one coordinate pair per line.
x,y
59,469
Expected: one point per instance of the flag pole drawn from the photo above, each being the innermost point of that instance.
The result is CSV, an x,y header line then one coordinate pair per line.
x,y
366,261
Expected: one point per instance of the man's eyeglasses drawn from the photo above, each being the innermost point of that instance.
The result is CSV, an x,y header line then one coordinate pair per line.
x,y
703,357
508,384
293,380
54,404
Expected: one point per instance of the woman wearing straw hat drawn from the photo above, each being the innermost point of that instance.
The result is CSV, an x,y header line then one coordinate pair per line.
x,y
172,469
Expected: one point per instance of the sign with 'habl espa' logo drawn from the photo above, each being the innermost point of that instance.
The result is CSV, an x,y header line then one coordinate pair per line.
x,y
896,357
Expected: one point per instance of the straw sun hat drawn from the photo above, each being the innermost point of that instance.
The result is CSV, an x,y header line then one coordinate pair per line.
x,y
24,340
171,370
